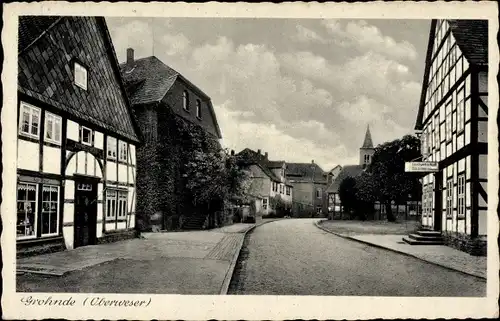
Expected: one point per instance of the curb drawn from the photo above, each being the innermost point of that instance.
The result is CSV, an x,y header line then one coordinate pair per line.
x,y
397,251
234,260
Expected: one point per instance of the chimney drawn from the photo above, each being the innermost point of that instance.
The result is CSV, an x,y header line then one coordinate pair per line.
x,y
232,152
265,155
312,162
130,56
258,151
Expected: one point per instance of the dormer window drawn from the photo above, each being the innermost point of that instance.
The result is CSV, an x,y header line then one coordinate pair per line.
x,y
80,76
86,136
198,108
185,100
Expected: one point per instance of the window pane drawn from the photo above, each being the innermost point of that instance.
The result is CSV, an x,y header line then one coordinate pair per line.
x,y
57,131
26,121
34,122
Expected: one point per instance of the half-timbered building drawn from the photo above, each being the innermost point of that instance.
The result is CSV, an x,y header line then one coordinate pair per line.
x,y
453,120
76,137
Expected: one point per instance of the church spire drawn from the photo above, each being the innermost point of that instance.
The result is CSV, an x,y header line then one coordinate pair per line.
x,y
368,139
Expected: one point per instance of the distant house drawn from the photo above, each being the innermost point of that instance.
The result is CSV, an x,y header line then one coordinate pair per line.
x,y
309,185
76,141
268,181
453,120
170,111
365,157
333,173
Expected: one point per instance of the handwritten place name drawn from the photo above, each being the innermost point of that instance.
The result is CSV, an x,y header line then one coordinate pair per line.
x,y
89,301
48,301
103,302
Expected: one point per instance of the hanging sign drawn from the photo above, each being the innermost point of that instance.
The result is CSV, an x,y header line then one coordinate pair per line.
x,y
422,167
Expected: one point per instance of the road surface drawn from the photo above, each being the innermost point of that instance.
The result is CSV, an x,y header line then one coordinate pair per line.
x,y
294,257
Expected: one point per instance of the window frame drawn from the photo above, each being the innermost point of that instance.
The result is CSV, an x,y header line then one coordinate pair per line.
x,y
31,110
461,209
264,203
198,108
449,198
122,151
56,212
116,201
56,122
111,156
449,120
79,71
319,209
82,136
185,100
461,99
35,212
318,192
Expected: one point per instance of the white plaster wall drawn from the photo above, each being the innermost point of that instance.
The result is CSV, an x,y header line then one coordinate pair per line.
x,y
122,225
467,220
111,171
98,140
483,218
69,189
482,202
72,130
132,154
467,194
110,226
28,154
467,167
71,168
99,212
483,166
99,230
461,226
68,234
131,175
80,159
480,111
69,213
51,160
483,131
122,173
467,109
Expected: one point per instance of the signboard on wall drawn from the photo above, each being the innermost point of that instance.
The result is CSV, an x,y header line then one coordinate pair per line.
x,y
422,167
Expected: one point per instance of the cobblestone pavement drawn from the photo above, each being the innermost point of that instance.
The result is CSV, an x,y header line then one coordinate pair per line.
x,y
294,257
180,262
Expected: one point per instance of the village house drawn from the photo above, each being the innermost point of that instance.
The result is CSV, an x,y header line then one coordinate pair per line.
x,y
453,121
365,157
309,183
268,181
172,114
76,138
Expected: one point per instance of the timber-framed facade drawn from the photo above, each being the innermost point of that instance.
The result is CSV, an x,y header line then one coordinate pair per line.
x,y
76,137
453,120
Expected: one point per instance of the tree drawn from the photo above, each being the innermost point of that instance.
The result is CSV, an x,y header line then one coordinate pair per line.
x,y
387,170
365,196
348,193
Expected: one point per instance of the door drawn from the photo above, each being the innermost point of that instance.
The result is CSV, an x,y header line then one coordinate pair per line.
x,y
438,201
85,213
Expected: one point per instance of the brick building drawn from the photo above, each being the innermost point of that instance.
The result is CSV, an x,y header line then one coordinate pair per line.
x,y
169,110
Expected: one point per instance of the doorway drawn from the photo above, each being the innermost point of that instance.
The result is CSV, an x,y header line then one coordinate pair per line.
x,y
85,213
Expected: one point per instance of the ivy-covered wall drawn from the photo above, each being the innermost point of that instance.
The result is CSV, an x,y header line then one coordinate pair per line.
x,y
169,144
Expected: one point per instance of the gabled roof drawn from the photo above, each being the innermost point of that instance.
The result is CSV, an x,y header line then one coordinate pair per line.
x,y
471,37
251,157
47,46
347,171
149,79
275,164
305,172
368,143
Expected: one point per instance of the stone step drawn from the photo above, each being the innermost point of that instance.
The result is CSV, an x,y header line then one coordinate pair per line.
x,y
428,233
416,242
419,237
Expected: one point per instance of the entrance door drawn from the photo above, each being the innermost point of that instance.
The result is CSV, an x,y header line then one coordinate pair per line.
x,y
438,201
85,213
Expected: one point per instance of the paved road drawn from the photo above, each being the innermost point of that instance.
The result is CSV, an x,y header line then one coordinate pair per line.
x,y
294,257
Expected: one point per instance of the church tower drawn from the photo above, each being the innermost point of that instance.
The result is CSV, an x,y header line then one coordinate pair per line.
x,y
367,150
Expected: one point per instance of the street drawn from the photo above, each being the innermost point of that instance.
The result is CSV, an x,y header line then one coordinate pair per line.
x,y
294,257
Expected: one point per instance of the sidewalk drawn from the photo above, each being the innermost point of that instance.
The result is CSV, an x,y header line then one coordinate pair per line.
x,y
441,255
191,262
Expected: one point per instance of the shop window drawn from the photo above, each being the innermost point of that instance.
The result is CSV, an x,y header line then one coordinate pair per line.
x,y
26,210
29,122
111,147
53,128
50,209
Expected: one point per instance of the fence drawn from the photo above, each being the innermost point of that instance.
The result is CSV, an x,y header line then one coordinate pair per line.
x,y
412,210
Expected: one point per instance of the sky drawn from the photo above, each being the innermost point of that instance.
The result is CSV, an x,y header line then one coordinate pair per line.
x,y
299,89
